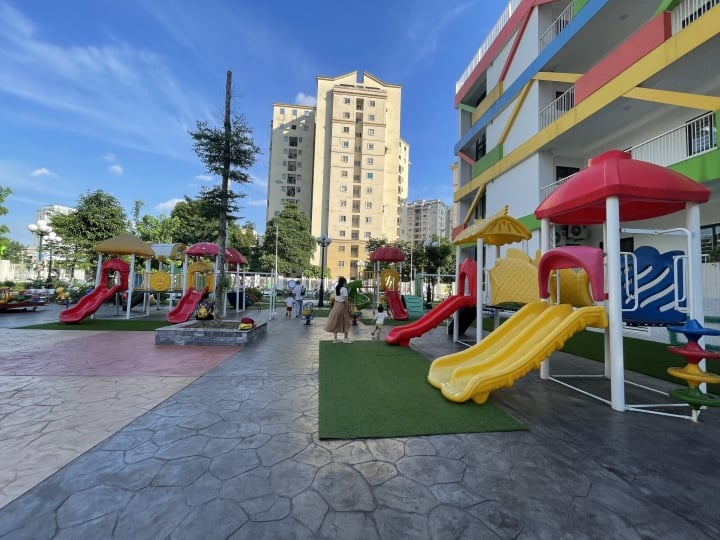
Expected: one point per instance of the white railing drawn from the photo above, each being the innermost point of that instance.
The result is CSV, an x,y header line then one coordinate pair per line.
x,y
499,25
557,108
557,26
689,11
547,190
678,144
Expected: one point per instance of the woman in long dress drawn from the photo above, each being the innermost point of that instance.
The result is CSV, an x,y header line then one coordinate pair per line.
x,y
339,318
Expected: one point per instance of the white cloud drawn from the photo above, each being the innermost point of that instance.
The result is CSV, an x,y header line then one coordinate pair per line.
x,y
304,99
167,206
256,202
43,171
109,157
116,169
204,177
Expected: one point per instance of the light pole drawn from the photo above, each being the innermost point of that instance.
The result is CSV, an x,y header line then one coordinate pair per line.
x,y
323,241
427,244
41,229
52,240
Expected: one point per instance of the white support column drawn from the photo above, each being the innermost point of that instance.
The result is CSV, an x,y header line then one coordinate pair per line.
x,y
131,286
480,291
695,293
606,331
545,245
456,315
614,305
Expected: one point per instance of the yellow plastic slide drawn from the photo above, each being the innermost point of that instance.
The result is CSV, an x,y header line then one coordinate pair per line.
x,y
516,347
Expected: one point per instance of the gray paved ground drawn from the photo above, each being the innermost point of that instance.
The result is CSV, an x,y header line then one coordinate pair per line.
x,y
236,455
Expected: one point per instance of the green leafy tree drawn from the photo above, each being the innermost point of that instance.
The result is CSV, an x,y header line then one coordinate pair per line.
x,y
295,244
4,193
228,153
15,252
97,217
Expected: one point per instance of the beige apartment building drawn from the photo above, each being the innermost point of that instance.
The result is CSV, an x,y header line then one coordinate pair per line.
x,y
353,181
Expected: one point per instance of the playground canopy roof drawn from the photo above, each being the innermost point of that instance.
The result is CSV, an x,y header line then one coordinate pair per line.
x,y
644,190
125,244
497,230
168,251
387,254
209,249
232,255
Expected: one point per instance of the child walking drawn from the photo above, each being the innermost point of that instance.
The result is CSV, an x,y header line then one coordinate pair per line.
x,y
379,320
289,303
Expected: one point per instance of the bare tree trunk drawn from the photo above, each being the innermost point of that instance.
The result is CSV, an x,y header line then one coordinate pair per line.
x,y
222,242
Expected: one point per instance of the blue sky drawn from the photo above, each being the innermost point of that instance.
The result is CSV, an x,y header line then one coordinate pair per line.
x,y
100,94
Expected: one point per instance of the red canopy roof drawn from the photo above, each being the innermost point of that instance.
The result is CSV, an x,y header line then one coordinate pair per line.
x,y
645,190
387,254
209,249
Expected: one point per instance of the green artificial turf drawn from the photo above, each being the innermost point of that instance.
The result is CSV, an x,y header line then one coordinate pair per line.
x,y
138,325
371,389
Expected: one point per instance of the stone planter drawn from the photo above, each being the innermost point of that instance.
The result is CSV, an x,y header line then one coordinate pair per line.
x,y
205,334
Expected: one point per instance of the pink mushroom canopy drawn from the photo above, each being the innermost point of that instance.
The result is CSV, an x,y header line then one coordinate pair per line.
x,y
387,254
210,249
644,190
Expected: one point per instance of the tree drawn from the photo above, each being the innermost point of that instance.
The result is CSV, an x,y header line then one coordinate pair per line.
x,y
4,192
227,153
97,217
14,251
295,244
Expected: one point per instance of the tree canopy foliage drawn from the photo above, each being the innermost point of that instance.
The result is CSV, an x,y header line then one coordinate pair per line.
x,y
4,192
295,244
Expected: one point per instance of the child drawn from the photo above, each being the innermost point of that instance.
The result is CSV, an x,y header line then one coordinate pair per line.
x,y
289,304
379,320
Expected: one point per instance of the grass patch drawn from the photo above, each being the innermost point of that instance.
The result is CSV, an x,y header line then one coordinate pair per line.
x,y
370,389
120,325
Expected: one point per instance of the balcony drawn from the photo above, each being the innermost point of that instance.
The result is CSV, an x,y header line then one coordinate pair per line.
x,y
562,104
556,27
689,140
688,11
494,33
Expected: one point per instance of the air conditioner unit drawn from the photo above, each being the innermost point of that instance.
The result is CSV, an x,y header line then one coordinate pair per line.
x,y
560,235
576,232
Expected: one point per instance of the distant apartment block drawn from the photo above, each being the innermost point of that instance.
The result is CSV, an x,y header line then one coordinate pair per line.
x,y
427,219
344,164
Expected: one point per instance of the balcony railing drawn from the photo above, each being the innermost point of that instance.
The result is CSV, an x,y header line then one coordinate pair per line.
x,y
689,11
557,108
557,26
494,33
547,190
691,139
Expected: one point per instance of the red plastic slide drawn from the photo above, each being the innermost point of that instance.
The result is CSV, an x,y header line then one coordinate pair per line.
x,y
401,335
186,306
395,304
89,304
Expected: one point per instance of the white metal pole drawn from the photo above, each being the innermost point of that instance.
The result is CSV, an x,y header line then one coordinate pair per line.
x,y
545,245
614,304
456,315
479,270
695,292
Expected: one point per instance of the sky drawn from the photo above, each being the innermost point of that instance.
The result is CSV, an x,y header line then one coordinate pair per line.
x,y
101,94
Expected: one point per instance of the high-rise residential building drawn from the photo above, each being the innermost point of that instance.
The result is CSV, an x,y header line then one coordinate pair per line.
x,y
353,181
427,219
557,83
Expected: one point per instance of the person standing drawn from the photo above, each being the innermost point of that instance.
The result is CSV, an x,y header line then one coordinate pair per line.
x,y
339,319
289,303
297,291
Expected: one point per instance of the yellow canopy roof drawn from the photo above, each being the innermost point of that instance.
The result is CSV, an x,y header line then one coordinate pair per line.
x,y
125,244
169,251
497,230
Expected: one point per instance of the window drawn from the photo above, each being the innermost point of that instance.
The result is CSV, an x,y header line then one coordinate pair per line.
x,y
294,112
290,191
305,128
343,189
701,134
343,174
370,161
371,117
345,144
368,205
369,176
354,252
282,111
341,234
343,204
371,131
371,103
355,235
368,190
341,264
291,179
710,243
343,219
370,146
306,113
346,129
293,126
344,159
356,177
563,172
368,219
367,235
346,115
357,163
346,101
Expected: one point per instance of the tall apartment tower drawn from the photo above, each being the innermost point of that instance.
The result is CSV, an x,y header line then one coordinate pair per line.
x,y
427,219
354,183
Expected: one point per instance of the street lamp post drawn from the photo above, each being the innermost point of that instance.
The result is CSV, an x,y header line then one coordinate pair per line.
x,y
52,241
41,229
427,244
323,241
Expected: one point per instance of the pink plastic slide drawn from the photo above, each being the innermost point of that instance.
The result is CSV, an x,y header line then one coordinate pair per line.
x,y
186,306
401,335
394,301
88,304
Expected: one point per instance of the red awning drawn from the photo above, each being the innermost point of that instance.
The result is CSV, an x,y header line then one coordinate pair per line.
x,y
645,190
387,254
